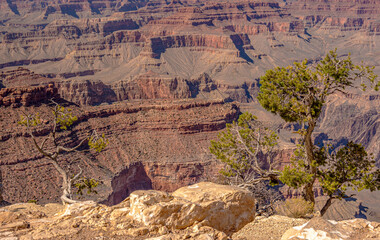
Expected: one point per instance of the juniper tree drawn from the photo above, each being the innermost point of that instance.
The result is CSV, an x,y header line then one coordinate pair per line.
x,y
247,149
297,94
51,148
349,167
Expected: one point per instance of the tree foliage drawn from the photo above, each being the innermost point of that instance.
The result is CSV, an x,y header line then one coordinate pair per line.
x,y
245,147
86,184
347,168
298,93
51,148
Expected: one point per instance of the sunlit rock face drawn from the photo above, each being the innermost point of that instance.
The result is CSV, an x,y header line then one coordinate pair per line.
x,y
221,207
201,211
319,228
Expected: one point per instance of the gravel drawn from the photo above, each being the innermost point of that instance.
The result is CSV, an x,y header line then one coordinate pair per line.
x,y
263,228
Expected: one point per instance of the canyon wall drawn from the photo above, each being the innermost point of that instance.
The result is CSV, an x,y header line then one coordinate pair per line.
x,y
154,76
234,42
157,144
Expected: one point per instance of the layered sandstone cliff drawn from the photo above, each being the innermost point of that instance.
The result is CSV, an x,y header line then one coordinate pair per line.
x,y
16,97
153,144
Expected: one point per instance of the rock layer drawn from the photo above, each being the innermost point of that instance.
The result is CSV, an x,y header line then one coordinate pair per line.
x,y
149,140
16,97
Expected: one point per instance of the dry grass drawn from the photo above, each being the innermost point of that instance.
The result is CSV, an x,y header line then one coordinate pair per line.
x,y
295,208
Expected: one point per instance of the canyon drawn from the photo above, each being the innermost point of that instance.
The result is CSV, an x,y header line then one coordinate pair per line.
x,y
149,141
162,78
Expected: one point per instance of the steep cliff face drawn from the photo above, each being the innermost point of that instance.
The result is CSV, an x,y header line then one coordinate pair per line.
x,y
16,97
86,92
147,86
151,87
159,144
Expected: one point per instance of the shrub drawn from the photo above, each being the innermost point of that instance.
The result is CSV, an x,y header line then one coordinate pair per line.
x,y
295,208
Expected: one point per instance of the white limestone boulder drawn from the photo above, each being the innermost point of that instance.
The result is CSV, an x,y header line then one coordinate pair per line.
x,y
322,229
224,208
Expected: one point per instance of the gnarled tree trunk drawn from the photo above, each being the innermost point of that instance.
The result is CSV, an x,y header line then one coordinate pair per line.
x,y
308,192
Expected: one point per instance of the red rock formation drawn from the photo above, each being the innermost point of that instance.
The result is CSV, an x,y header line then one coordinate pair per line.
x,y
86,92
169,138
26,96
150,87
22,77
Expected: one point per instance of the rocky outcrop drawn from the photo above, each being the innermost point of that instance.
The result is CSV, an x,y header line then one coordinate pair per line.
x,y
158,45
221,207
151,87
201,211
16,97
319,228
86,92
147,86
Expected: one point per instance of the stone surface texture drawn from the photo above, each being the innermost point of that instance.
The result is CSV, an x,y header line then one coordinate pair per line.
x,y
221,207
267,228
319,228
145,214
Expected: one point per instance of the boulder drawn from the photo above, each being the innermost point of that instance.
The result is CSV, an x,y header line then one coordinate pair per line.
x,y
319,228
159,208
227,208
224,208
